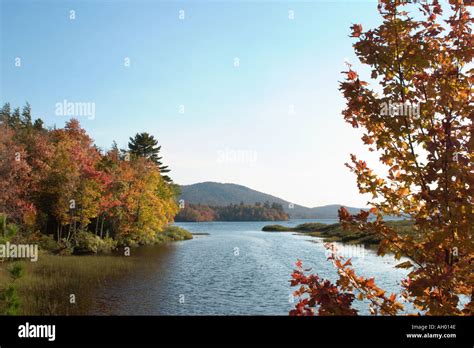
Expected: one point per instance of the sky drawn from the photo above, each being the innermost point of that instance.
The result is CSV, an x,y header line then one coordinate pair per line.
x,y
241,92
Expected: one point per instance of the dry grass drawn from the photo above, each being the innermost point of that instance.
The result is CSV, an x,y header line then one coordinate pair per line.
x,y
47,284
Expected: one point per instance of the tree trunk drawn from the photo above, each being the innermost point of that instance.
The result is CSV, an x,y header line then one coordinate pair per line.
x,y
4,227
97,225
102,227
69,232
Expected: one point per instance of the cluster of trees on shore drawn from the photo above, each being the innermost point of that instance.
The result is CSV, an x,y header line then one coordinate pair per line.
x,y
232,212
57,182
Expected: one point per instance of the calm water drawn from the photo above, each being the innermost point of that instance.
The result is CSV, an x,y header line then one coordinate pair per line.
x,y
235,270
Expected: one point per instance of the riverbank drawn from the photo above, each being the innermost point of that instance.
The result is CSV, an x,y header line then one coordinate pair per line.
x,y
63,284
89,243
335,232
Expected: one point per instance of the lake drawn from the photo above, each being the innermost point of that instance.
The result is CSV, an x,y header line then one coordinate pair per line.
x,y
235,270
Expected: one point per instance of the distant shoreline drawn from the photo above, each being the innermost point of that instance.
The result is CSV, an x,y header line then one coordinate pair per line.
x,y
336,233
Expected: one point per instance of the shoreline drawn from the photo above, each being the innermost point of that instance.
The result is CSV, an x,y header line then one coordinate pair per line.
x,y
43,286
335,232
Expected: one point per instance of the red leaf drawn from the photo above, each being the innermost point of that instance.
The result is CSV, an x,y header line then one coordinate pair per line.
x,y
299,264
352,75
356,30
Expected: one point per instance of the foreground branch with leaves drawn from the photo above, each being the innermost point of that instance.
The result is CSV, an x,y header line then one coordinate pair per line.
x,y
424,64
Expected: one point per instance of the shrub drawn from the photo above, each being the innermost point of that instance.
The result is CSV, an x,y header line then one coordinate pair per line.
x,y
175,233
7,231
276,228
87,243
310,227
47,242
9,299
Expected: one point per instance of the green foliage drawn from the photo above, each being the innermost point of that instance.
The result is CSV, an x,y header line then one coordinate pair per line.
x,y
88,243
336,233
168,234
9,299
7,230
47,243
306,227
311,226
277,228
145,145
175,233
16,270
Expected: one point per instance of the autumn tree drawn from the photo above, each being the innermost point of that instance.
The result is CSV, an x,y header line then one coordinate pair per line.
x,y
109,199
57,181
417,114
22,155
70,187
137,204
16,180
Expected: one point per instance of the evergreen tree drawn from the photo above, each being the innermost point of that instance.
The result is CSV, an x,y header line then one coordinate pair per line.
x,y
145,145
38,124
15,119
26,116
5,114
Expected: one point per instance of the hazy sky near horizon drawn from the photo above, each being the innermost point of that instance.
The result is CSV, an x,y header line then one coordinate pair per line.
x,y
243,92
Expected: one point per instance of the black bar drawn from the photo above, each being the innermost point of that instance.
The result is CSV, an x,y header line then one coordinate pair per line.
x,y
135,330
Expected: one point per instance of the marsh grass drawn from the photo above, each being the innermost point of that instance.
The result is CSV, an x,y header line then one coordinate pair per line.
x,y
335,232
47,284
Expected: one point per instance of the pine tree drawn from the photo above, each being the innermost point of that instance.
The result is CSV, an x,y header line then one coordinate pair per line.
x,y
145,145
5,114
15,119
26,116
38,124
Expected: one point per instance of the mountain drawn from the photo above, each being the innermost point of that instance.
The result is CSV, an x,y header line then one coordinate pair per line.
x,y
219,194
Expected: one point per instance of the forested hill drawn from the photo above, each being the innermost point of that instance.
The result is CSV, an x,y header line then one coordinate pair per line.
x,y
219,194
232,212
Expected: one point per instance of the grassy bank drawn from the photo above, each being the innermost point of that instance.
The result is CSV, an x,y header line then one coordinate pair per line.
x,y
47,285
65,284
173,234
89,243
335,233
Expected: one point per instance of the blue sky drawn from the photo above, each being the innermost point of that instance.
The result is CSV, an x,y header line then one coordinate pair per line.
x,y
273,122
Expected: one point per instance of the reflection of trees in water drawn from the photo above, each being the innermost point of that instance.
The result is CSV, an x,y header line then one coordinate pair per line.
x,y
148,275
